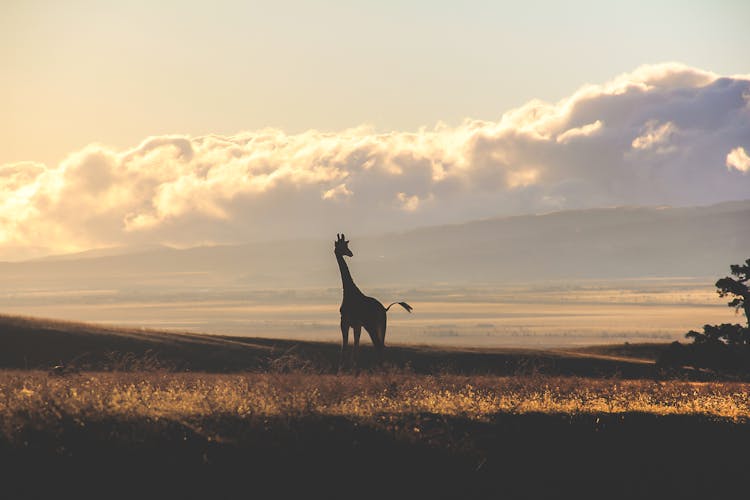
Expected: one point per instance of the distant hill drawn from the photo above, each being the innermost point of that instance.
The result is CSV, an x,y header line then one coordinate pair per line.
x,y
607,243
101,252
623,242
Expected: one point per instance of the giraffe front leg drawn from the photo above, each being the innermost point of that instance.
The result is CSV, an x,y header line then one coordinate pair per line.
x,y
357,332
344,342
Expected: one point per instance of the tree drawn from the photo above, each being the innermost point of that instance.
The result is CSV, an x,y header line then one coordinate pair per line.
x,y
726,334
737,288
724,347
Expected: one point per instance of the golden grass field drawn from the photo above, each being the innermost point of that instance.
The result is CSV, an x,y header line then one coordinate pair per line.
x,y
30,396
394,434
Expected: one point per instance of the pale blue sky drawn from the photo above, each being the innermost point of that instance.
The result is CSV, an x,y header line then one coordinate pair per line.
x,y
115,72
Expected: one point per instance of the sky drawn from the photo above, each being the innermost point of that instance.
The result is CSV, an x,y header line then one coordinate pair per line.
x,y
191,123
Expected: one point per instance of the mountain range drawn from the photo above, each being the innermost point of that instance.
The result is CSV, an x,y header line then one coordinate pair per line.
x,y
606,243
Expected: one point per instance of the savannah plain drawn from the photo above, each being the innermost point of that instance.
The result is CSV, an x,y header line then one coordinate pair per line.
x,y
519,391
543,314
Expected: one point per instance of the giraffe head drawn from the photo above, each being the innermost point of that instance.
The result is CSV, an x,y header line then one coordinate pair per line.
x,y
341,247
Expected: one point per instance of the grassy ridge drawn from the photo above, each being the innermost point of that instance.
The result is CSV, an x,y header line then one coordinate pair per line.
x,y
30,343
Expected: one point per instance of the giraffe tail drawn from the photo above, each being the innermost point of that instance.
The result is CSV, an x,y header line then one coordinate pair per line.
x,y
402,304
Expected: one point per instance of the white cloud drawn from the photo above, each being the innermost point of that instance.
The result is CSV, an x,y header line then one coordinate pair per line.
x,y
739,160
340,192
576,132
603,145
655,136
408,203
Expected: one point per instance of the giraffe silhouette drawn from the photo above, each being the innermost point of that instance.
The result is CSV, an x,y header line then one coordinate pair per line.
x,y
357,309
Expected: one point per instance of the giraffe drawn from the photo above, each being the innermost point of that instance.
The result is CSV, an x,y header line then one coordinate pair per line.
x,y
357,309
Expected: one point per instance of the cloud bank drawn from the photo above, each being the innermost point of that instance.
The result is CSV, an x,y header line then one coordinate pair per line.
x,y
662,134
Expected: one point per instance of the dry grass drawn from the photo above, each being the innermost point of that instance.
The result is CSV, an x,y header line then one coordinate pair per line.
x,y
37,399
436,436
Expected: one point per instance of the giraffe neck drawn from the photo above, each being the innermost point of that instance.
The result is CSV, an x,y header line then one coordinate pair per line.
x,y
346,276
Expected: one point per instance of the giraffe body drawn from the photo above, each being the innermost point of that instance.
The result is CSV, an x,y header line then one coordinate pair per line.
x,y
365,312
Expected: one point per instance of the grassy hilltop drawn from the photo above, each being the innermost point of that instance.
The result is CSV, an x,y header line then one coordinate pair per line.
x,y
31,343
267,418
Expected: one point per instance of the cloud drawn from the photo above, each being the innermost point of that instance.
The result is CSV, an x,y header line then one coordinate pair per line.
x,y
576,132
657,135
738,160
340,192
408,203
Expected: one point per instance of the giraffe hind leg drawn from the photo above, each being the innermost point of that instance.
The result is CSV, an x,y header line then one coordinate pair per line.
x,y
385,324
377,334
381,348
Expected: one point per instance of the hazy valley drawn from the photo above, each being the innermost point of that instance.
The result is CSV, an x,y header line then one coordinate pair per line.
x,y
575,277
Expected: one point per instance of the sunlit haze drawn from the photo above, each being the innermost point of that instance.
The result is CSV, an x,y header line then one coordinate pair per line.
x,y
186,123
